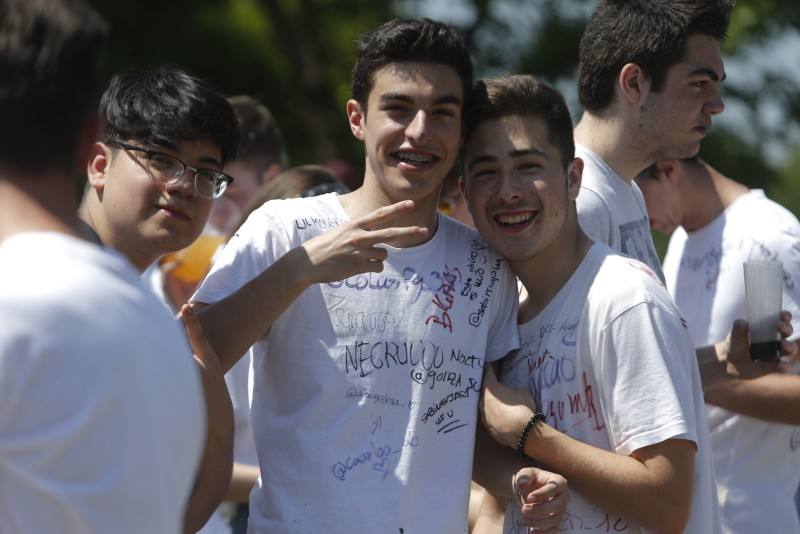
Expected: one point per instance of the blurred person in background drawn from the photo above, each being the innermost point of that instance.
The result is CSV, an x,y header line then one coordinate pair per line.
x,y
260,157
101,406
152,178
716,224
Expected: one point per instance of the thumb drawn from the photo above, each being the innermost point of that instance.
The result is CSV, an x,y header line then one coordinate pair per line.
x,y
739,331
194,331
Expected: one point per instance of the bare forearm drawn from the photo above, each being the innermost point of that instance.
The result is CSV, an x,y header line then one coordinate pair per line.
x,y
234,323
214,473
774,397
646,494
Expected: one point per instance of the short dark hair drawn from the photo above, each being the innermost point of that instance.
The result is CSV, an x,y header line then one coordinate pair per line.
x,y
49,59
164,105
651,171
650,33
260,137
525,96
407,40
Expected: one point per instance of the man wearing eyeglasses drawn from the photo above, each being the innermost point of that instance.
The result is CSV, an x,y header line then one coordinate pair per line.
x,y
153,177
152,180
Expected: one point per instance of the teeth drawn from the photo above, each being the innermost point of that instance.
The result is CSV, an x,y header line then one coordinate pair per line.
x,y
514,219
414,159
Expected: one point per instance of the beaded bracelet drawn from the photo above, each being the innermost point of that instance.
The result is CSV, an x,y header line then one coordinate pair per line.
x,y
523,436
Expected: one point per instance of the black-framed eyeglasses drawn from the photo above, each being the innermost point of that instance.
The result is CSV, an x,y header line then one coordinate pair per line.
x,y
166,170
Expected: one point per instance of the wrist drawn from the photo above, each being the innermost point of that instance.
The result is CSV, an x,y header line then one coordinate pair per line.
x,y
525,434
298,268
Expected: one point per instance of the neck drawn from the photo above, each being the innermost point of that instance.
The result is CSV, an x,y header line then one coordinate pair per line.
x,y
707,193
610,137
42,203
546,273
370,197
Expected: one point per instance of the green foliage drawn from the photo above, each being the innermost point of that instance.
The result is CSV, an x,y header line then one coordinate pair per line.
x,y
296,56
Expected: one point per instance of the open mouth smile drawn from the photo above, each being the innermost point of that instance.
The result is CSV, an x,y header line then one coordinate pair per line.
x,y
515,220
414,160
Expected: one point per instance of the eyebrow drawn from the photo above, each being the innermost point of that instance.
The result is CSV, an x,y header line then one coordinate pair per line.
x,y
211,161
514,154
445,99
711,73
527,152
204,159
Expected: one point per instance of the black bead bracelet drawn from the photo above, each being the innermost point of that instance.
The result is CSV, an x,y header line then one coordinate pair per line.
x,y
523,436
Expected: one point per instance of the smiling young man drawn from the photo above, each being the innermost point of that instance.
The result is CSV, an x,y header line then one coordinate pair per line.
x,y
368,359
618,407
648,80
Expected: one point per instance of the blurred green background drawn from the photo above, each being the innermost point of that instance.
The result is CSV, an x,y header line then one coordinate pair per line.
x,y
296,55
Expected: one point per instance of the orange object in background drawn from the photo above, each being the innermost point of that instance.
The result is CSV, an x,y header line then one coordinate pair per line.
x,y
194,261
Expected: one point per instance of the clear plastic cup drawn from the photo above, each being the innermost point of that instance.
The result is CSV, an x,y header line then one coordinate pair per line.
x,y
763,283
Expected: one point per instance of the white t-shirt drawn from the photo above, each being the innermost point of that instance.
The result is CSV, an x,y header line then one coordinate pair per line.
x,y
613,211
757,463
365,390
610,363
101,409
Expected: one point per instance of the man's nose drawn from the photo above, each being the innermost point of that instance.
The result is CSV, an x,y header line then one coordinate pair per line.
x,y
418,130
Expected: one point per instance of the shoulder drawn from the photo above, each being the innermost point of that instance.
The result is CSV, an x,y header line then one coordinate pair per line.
x,y
762,226
622,283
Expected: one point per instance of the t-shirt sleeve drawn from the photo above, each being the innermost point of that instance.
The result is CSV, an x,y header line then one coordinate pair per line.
x,y
260,241
593,216
503,332
646,378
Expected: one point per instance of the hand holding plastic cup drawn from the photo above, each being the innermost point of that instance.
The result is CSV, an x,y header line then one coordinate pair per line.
x,y
763,284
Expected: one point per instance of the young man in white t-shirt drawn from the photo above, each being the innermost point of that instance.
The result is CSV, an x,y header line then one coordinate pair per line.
x,y
717,224
618,406
367,359
648,79
153,176
101,418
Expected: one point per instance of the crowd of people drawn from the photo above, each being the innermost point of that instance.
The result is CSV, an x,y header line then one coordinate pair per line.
x,y
487,305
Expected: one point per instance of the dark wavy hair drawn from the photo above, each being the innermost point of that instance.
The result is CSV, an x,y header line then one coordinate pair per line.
x,y
407,40
49,58
650,33
164,105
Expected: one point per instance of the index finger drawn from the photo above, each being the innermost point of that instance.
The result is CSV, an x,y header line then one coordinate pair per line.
x,y
372,220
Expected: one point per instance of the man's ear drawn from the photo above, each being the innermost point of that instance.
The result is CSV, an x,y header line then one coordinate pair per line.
x,y
356,117
462,186
632,83
574,176
669,170
98,165
272,170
